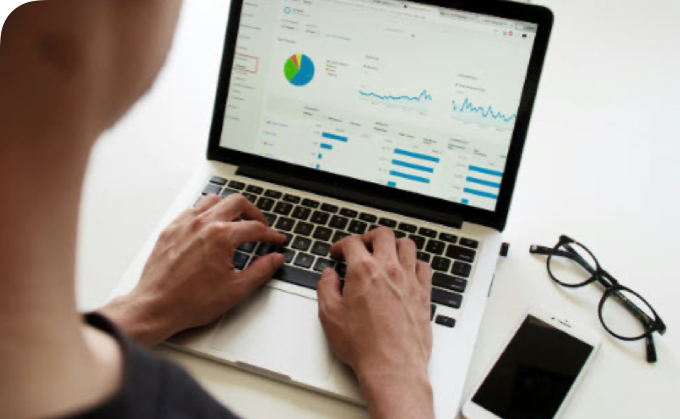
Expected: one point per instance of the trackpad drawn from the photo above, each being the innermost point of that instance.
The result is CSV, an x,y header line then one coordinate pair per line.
x,y
276,331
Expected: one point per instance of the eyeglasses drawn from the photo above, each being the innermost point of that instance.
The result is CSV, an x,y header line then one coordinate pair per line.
x,y
622,311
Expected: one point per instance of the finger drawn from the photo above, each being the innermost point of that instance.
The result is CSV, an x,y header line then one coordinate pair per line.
x,y
424,274
328,290
206,203
234,207
259,272
350,248
406,250
383,243
253,231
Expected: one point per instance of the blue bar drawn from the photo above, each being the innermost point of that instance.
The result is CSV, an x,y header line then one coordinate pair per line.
x,y
318,166
326,146
320,155
483,182
409,177
415,155
392,184
480,193
412,166
334,137
465,201
486,171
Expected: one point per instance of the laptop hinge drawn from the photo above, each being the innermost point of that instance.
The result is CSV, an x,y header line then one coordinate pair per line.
x,y
338,192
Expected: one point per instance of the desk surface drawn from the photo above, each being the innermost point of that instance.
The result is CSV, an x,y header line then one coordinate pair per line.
x,y
600,165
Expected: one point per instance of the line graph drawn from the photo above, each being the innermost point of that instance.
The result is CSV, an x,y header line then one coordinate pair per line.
x,y
488,113
424,96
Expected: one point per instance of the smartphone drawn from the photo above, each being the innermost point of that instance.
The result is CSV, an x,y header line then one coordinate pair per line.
x,y
536,371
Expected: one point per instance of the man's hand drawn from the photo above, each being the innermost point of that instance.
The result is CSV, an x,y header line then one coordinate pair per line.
x,y
380,324
189,279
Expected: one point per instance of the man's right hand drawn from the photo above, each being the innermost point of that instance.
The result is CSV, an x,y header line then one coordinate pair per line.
x,y
380,324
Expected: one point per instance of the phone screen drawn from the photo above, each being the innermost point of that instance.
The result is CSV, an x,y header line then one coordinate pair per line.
x,y
534,373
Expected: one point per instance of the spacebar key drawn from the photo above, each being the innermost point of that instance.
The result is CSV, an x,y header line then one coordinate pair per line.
x,y
307,279
446,298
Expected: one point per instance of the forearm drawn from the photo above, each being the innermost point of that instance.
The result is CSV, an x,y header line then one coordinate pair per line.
x,y
137,320
398,396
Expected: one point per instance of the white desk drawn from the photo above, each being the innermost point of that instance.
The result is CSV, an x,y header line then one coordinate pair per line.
x,y
600,164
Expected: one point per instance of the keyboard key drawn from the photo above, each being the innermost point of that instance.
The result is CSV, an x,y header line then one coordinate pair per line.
x,y
427,233
301,213
304,260
446,298
298,276
369,218
433,308
255,189
451,238
283,208
304,229
441,264
461,269
273,194
265,204
320,217
321,248
322,264
288,254
247,247
235,184
292,199
271,218
323,233
329,208
423,256
436,247
461,253
265,249
211,189
218,180
338,222
310,203
357,227
418,240
301,243
341,268
409,228
445,321
285,224
399,234
387,222
449,282
339,235
250,197
228,192
289,238
240,260
469,243
349,213
373,227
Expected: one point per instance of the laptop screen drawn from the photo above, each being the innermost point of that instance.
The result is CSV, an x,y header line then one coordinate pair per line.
x,y
409,96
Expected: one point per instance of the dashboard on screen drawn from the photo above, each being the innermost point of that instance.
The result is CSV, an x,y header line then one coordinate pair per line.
x,y
409,96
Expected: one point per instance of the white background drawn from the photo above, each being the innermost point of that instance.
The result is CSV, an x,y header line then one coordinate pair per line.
x,y
601,164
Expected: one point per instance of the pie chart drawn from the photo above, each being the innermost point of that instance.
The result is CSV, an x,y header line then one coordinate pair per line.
x,y
299,70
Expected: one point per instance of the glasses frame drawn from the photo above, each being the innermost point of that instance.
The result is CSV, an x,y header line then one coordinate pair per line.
x,y
612,289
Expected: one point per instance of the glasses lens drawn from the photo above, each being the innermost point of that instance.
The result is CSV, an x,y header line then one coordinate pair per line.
x,y
572,264
625,314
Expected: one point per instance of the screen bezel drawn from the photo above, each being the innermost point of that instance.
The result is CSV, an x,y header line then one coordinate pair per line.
x,y
472,410
455,211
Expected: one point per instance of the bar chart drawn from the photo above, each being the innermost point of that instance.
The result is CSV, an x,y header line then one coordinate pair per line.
x,y
412,166
482,182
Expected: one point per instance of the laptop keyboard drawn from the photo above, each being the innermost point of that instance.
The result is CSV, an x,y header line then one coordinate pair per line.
x,y
311,227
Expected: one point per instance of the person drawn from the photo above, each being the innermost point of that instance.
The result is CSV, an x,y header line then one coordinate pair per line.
x,y
69,69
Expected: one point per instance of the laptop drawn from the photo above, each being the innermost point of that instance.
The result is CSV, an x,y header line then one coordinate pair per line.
x,y
338,116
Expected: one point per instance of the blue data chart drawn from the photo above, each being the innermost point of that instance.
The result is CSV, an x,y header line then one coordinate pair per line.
x,y
423,97
482,114
482,182
412,166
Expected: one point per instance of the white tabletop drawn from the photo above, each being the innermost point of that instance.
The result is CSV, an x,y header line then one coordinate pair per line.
x,y
600,164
